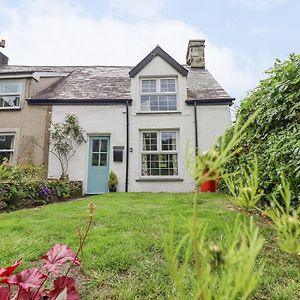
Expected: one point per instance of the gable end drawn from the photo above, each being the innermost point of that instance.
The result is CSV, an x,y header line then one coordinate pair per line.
x,y
165,56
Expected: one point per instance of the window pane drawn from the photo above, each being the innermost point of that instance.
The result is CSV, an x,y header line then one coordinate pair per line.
x,y
95,145
103,145
159,164
7,155
149,141
153,103
6,142
163,103
167,102
9,101
145,103
158,103
167,85
95,159
168,141
149,86
11,87
103,159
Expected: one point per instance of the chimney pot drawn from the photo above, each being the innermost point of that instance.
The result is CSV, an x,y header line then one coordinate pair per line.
x,y
195,54
2,43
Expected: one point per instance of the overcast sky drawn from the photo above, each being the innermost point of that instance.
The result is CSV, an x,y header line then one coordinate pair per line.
x,y
243,37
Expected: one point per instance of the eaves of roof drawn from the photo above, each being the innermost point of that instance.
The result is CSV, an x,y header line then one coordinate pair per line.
x,y
78,101
224,101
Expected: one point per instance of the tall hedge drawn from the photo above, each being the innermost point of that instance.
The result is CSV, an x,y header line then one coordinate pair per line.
x,y
274,136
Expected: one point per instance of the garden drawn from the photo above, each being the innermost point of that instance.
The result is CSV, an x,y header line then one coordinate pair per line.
x,y
243,243
24,186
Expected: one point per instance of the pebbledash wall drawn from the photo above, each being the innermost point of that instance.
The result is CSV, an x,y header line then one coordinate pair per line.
x,y
111,121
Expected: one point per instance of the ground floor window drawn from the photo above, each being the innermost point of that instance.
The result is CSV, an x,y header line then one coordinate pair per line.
x,y
159,153
6,146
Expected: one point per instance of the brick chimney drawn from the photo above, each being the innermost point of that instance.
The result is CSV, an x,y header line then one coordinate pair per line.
x,y
195,54
3,58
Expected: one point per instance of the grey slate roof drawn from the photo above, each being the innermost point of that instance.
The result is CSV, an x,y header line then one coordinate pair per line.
x,y
91,83
201,85
113,82
31,69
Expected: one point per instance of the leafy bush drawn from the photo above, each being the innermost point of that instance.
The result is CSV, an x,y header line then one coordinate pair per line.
x,y
274,136
245,194
21,172
25,186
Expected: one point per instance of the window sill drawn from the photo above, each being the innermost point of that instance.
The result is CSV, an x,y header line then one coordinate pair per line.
x,y
10,108
158,179
158,112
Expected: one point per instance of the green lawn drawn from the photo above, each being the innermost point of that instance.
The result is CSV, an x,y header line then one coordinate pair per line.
x,y
123,257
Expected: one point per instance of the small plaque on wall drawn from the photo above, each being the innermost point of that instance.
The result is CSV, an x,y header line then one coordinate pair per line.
x,y
118,153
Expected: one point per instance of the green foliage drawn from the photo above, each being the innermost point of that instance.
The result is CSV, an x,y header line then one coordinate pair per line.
x,y
112,180
286,221
199,268
65,138
21,172
226,270
25,186
244,189
274,136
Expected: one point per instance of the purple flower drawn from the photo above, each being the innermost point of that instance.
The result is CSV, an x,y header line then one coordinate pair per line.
x,y
45,193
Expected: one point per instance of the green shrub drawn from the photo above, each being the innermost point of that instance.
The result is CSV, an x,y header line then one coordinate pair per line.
x,y
274,136
25,185
113,180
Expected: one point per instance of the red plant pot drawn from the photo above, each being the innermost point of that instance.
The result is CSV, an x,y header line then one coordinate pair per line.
x,y
209,186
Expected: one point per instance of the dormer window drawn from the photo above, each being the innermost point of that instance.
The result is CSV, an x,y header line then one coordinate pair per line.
x,y
10,92
158,94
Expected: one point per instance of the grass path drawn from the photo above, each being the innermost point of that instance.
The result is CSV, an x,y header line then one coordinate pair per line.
x,y
124,258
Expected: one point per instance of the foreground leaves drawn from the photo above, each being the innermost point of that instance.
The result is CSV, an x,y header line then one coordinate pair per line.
x,y
30,278
64,283
4,293
226,270
57,256
5,272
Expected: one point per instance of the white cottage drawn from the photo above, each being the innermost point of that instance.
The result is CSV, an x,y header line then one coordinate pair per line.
x,y
139,120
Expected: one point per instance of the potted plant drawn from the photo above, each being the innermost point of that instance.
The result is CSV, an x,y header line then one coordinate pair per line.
x,y
112,182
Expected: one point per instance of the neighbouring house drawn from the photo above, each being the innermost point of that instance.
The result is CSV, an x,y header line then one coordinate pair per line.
x,y
24,128
138,120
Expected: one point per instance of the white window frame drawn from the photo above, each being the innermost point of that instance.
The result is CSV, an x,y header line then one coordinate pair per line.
x,y
158,93
12,150
159,151
12,94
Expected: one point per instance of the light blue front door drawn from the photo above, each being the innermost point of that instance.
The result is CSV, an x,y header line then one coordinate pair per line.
x,y
98,167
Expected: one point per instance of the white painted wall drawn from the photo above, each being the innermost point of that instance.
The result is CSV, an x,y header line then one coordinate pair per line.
x,y
95,120
111,120
212,122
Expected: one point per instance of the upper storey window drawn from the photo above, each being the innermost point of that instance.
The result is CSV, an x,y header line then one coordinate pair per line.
x,y
10,92
159,94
